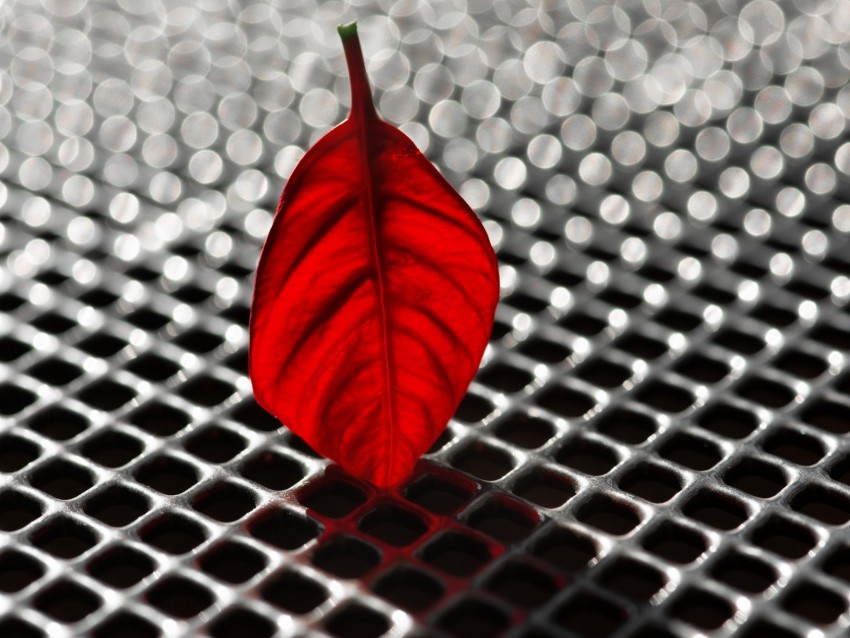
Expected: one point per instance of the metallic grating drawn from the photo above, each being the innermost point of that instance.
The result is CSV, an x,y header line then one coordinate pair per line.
x,y
656,444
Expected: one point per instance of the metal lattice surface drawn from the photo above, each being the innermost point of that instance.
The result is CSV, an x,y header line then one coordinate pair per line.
x,y
656,444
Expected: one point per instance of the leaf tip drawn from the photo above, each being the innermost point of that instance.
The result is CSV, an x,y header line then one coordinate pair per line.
x,y
347,31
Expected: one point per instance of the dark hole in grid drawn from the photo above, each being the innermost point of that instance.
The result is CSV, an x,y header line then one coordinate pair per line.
x,y
147,319
702,369
10,302
508,521
173,534
545,488
142,273
101,345
66,601
235,270
58,424
608,515
444,439
356,621
55,371
13,399
505,378
456,554
167,475
837,563
112,448
641,346
332,497
745,573
239,622
841,470
17,510
522,585
121,567
784,537
117,506
604,374
346,557
473,617
412,589
545,350
62,479
284,528
831,336
691,451
180,597
675,543
251,414
756,477
294,592
583,324
126,625
299,445
394,525
17,628
766,392
483,461
678,320
748,269
199,341
727,420
626,425
807,289
564,549
828,416
526,303
206,390
801,364
814,603
238,362
18,570
589,616
186,250
620,298
561,277
651,482
98,298
224,501
651,630
473,408
53,323
508,257
16,452
238,314
160,419
153,367
566,402
773,315
232,562
106,395
843,384
11,349
794,446
215,444
702,609
524,431
759,628
272,470
438,495
587,456
716,510
665,397
500,329
739,341
632,578
826,505
714,294
192,294
64,537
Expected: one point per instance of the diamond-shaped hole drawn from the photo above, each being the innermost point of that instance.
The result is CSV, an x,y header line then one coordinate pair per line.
x,y
792,445
756,477
121,567
147,319
641,346
766,392
160,419
61,479
589,616
102,345
665,397
583,324
456,554
483,461
224,501
12,349
604,374
112,448
691,451
702,369
55,371
608,515
128,625
828,416
522,585
823,504
524,431
473,408
58,424
816,604
675,543
17,510
180,597
106,395
284,528
632,578
473,617
738,341
241,622
346,557
232,562
745,573
67,602
506,520
18,570
14,399
167,475
64,537
153,367
16,452
438,495
215,444
544,350
545,488
773,315
729,421
759,628
801,364
251,414
565,549
566,402
292,591
411,589
53,323
587,456
356,621
199,341
173,534
716,510
206,390
678,320
117,506
702,609
332,497
651,482
714,294
393,525
505,378
837,563
273,470
626,426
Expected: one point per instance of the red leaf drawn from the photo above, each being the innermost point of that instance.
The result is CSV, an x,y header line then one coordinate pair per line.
x,y
374,296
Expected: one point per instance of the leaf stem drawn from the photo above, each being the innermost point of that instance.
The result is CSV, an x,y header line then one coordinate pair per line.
x,y
361,93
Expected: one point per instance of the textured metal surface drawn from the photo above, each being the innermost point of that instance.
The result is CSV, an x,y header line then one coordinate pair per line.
x,y
657,441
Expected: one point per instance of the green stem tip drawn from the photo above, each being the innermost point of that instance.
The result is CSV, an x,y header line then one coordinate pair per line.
x,y
347,31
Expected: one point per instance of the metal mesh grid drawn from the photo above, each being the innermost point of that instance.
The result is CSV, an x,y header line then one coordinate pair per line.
x,y
657,441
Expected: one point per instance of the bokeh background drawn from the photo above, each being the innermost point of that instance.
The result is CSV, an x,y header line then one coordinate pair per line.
x,y
656,444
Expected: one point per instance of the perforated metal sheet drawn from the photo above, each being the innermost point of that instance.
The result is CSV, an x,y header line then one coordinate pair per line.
x,y
656,444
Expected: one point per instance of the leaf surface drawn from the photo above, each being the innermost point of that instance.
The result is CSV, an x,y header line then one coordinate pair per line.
x,y
374,296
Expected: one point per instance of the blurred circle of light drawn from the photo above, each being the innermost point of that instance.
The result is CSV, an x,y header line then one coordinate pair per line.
x,y
595,169
757,222
578,132
734,182
841,218
648,186
544,151
790,202
702,206
615,209
667,226
510,173
578,230
628,148
821,179
561,189
476,192
526,213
